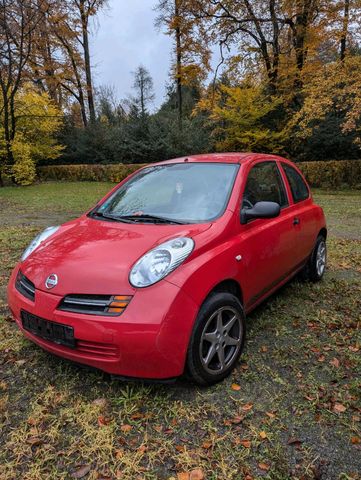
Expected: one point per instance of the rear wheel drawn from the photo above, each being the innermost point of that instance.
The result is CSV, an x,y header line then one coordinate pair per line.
x,y
217,339
316,265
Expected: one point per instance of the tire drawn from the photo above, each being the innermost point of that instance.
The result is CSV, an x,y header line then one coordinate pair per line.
x,y
315,268
209,340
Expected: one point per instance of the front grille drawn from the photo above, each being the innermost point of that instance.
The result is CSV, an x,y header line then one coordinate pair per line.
x,y
108,305
25,286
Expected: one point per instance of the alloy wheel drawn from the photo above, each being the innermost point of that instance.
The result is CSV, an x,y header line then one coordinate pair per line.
x,y
221,340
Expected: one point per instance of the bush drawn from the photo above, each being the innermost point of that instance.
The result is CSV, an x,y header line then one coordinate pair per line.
x,y
332,174
87,173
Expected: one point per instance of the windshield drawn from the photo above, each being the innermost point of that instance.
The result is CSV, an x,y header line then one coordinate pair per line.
x,y
183,192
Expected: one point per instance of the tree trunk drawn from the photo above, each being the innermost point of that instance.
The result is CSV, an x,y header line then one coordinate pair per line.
x,y
88,74
345,30
178,35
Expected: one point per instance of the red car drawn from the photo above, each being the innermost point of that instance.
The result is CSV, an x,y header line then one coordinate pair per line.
x,y
156,279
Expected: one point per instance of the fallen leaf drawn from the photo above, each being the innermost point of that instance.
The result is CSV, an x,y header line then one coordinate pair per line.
x,y
353,349
321,358
142,449
264,466
183,476
270,415
196,474
246,443
236,420
34,441
294,441
137,416
235,387
103,421
355,440
81,471
126,428
180,448
335,362
247,407
206,445
263,435
264,349
339,408
100,402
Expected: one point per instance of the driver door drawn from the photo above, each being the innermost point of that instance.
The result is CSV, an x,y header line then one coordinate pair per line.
x,y
267,245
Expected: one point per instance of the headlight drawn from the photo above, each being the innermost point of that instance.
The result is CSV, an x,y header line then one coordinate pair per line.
x,y
159,262
38,240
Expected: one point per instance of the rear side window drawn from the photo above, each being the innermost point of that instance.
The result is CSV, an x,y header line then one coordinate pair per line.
x,y
264,184
298,187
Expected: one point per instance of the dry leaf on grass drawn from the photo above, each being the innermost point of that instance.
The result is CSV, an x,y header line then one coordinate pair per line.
x,y
235,387
246,443
264,466
197,474
81,471
339,408
126,428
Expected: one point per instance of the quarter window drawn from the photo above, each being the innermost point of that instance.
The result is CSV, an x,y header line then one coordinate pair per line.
x,y
264,184
298,187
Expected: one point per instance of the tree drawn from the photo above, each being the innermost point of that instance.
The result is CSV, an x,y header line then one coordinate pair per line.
x,y
87,9
191,54
37,122
334,93
144,90
242,119
18,21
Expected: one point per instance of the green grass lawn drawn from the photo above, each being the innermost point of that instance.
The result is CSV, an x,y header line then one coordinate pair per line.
x,y
296,414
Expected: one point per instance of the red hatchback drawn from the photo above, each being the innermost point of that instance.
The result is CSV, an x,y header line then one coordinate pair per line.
x,y
157,278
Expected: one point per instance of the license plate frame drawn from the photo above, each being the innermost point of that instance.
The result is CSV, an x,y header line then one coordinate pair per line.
x,y
47,330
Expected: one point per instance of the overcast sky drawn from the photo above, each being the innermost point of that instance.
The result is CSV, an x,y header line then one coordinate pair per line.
x,y
124,38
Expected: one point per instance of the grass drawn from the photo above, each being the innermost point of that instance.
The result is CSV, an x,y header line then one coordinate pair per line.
x,y
295,416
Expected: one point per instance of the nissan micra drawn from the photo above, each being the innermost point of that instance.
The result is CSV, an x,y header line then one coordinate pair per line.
x,y
157,278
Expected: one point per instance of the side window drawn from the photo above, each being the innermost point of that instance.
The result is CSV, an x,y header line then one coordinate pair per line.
x,y
298,187
264,184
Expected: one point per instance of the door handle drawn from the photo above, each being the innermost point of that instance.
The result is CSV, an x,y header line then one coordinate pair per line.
x,y
296,221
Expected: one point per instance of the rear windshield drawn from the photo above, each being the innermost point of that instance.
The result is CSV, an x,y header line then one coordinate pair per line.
x,y
185,192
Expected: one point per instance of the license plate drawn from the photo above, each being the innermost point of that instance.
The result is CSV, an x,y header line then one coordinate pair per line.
x,y
51,331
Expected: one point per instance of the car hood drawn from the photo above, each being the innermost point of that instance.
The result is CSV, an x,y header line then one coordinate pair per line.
x,y
92,256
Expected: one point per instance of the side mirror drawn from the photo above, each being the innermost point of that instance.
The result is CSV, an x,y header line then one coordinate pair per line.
x,y
260,210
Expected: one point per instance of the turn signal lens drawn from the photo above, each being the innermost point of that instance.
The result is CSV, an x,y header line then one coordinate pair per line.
x,y
118,304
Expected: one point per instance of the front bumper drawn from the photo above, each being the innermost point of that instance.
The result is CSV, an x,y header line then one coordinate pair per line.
x,y
149,340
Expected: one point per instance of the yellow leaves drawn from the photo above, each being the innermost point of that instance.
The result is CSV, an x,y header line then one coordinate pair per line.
x,y
263,435
38,120
239,112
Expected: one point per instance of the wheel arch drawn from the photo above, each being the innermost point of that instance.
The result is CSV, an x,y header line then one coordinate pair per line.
x,y
323,232
230,286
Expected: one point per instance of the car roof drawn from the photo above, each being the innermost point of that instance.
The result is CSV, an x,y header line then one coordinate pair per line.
x,y
232,157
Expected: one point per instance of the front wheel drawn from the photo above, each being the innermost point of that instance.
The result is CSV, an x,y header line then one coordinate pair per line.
x,y
217,339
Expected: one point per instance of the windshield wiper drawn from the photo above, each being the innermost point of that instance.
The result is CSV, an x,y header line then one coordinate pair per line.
x,y
108,216
146,216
